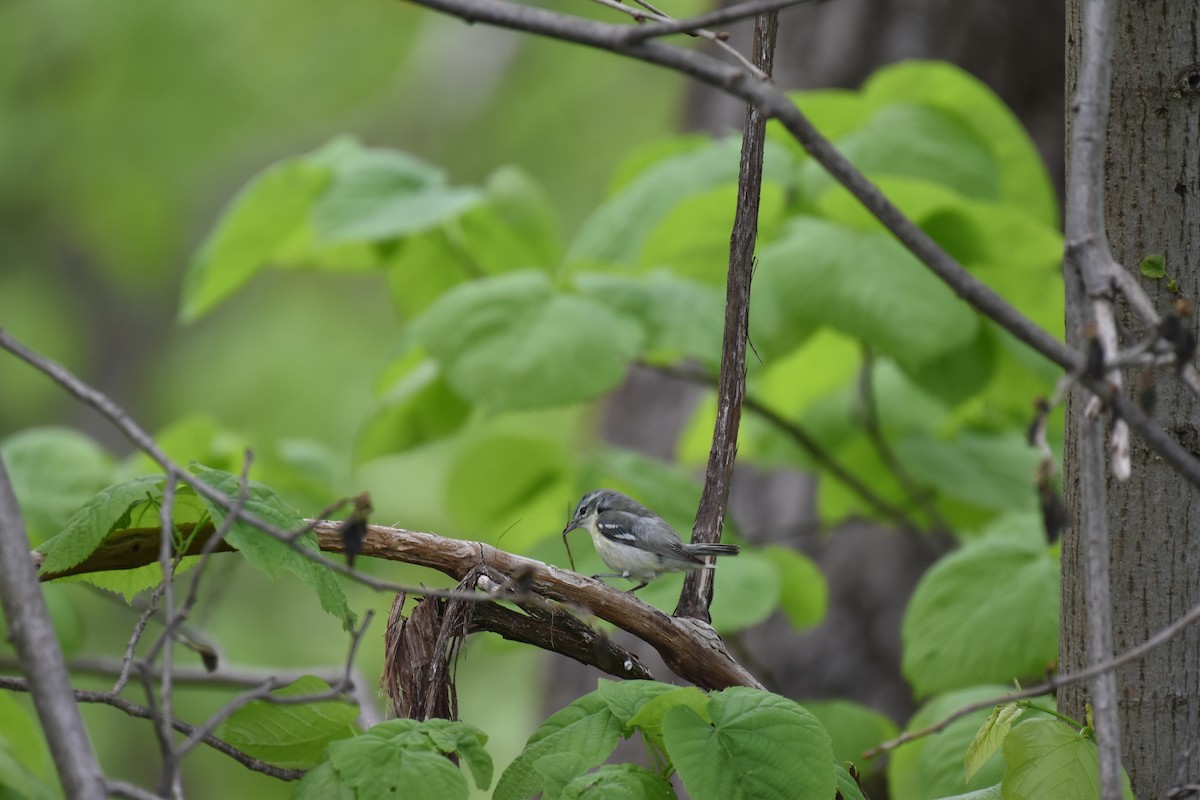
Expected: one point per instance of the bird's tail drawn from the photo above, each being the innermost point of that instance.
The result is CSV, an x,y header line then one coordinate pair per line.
x,y
713,549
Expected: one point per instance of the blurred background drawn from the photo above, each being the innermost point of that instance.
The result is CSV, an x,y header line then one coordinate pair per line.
x,y
125,127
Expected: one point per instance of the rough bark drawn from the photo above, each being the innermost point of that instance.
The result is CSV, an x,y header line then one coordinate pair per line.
x,y
1153,176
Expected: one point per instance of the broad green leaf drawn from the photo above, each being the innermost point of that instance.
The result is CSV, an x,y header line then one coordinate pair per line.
x,y
89,526
749,588
417,408
511,485
512,342
759,745
989,793
1153,266
267,553
1049,759
466,741
932,766
618,230
376,195
649,717
853,729
680,317
516,227
322,783
619,782
586,728
556,771
915,141
53,472
803,593
692,240
378,769
1023,179
988,612
626,698
642,157
991,471
422,267
24,758
865,285
17,781
990,737
290,735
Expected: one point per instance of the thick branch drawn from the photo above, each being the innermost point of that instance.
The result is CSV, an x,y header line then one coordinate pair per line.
x,y
697,592
694,652
32,634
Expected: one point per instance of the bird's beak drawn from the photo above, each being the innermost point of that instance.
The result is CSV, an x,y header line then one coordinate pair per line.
x,y
572,525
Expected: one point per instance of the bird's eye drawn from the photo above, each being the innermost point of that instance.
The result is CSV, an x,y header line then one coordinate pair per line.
x,y
582,511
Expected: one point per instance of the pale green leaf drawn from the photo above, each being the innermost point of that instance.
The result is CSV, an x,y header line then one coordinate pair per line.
x,y
619,782
1047,759
290,735
803,593
990,737
100,516
853,729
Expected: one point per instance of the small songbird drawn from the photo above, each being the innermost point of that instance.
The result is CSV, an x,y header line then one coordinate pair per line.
x,y
635,541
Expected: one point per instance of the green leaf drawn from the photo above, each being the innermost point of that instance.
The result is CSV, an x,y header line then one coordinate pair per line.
x,y
322,783
1022,176
988,612
989,793
53,472
863,284
255,226
990,737
803,593
932,766
512,342
515,228
467,742
417,408
585,728
750,587
24,757
853,729
1049,759
681,318
423,267
649,717
379,769
1153,266
759,745
847,787
619,782
376,195
626,698
290,735
990,471
89,526
267,553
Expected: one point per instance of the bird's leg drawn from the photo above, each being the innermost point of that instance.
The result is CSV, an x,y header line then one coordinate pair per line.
x,y
639,586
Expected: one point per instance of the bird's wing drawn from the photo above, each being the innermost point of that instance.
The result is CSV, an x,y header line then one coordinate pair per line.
x,y
663,540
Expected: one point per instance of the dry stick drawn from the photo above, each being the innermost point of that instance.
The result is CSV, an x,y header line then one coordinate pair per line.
x,y
720,16
776,104
1088,252
1132,654
142,712
697,592
32,634
170,782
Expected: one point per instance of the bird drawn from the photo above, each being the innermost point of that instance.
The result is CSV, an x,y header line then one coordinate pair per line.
x,y
635,541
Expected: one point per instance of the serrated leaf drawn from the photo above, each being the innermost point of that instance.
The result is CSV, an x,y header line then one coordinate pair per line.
x,y
847,787
650,716
290,735
586,728
53,472
1049,759
376,195
267,553
988,612
467,741
98,517
990,737
803,593
759,745
1153,266
932,766
322,783
512,342
619,782
626,698
863,284
376,769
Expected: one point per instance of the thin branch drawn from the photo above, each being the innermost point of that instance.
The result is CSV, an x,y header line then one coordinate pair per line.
x,y
697,592
33,637
142,712
1163,636
171,781
117,788
720,16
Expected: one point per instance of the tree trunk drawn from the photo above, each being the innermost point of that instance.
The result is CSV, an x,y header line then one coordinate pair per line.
x,y
1151,198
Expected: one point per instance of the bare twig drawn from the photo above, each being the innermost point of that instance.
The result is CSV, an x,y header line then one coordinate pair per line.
x,y
720,16
32,634
170,782
142,712
697,592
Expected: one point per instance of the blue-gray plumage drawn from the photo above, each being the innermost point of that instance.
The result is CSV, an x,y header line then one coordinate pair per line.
x,y
635,541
